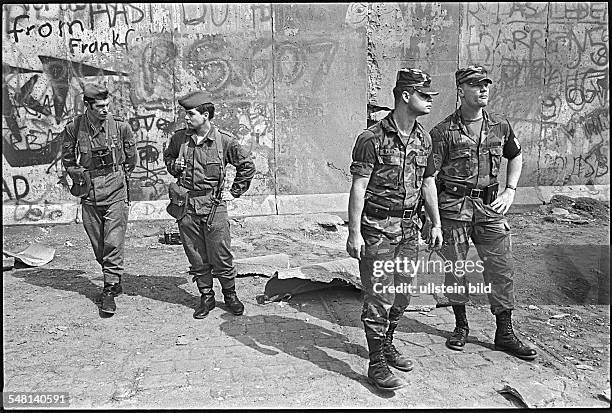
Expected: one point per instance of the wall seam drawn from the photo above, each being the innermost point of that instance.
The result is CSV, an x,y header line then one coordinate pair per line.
x,y
274,151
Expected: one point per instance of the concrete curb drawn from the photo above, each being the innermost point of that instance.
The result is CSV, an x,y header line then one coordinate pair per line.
x,y
32,213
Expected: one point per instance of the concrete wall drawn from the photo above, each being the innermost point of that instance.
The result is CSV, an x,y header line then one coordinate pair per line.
x,y
296,84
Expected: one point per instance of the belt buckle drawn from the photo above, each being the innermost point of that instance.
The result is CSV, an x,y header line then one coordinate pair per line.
x,y
477,191
409,211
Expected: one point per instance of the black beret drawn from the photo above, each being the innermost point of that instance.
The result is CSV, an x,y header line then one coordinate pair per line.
x,y
194,99
416,78
95,91
472,74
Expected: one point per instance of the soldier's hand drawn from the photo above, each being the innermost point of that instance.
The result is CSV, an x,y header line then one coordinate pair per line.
x,y
435,238
503,202
355,245
179,165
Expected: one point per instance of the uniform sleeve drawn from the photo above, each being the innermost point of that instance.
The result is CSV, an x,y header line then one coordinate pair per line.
x,y
69,160
439,149
245,168
170,155
512,147
364,155
430,169
129,147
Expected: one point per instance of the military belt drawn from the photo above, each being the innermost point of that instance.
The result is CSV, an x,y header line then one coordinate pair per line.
x,y
103,171
200,193
384,212
462,190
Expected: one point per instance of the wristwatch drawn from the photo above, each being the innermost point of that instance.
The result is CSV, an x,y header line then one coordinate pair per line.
x,y
511,187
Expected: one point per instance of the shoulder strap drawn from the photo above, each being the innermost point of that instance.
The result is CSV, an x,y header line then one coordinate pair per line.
x,y
77,128
181,155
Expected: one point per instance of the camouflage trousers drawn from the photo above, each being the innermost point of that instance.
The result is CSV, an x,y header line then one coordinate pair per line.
x,y
494,246
385,293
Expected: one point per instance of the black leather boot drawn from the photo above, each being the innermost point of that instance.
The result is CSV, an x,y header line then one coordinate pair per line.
x,y
457,340
232,301
207,303
109,293
393,356
379,373
506,340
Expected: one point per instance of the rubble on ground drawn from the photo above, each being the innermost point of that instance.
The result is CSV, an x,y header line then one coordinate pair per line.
x,y
581,210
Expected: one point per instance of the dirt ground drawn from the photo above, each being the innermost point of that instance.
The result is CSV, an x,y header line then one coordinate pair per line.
x,y
561,278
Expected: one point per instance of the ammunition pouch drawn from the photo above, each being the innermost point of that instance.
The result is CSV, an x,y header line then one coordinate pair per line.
x,y
178,201
81,181
101,158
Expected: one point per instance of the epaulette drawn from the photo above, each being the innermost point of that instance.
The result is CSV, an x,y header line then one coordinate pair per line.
x,y
228,133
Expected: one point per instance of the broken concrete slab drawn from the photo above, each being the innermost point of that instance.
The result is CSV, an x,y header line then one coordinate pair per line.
x,y
8,262
265,265
559,211
346,269
530,394
35,255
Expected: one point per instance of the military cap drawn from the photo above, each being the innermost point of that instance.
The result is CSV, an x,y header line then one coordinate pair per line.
x,y
95,91
194,99
416,78
472,74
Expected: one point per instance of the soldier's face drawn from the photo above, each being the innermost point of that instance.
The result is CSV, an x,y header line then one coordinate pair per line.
x,y
419,103
195,119
475,95
99,108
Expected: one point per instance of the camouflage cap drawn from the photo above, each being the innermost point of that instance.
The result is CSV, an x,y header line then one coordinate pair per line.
x,y
416,78
194,99
472,74
95,91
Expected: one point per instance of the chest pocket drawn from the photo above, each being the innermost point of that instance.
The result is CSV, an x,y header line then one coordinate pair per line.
x,y
212,163
420,163
496,154
460,161
386,173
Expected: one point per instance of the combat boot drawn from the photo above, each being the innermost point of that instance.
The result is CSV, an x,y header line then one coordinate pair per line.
x,y
393,356
109,293
457,340
379,373
207,303
232,301
506,340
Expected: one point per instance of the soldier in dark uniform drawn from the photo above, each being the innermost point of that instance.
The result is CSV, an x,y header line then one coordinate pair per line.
x,y
99,154
468,146
197,157
392,168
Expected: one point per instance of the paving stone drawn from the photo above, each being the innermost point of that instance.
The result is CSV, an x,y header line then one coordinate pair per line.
x,y
158,381
160,367
467,360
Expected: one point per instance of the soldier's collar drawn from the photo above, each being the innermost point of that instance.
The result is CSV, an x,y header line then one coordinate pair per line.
x,y
457,124
388,124
210,135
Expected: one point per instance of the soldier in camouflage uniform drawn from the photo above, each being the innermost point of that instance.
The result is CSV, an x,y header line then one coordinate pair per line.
x,y
392,166
99,154
468,146
197,156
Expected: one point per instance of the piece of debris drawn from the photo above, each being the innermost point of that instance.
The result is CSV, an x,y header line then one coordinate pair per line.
x,y
35,255
171,235
529,394
182,341
265,265
533,307
7,262
559,211
558,316
605,395
68,244
584,367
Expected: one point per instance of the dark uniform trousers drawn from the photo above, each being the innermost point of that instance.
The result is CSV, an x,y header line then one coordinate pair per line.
x,y
106,226
208,251
382,306
491,236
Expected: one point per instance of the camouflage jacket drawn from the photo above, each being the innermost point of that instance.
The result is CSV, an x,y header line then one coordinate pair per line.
x,y
462,159
203,166
80,136
396,171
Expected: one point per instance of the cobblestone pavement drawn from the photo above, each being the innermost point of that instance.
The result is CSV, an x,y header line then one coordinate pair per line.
x,y
308,352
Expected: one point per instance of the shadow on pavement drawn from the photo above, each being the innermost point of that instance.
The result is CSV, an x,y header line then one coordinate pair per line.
x,y
307,348
160,288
